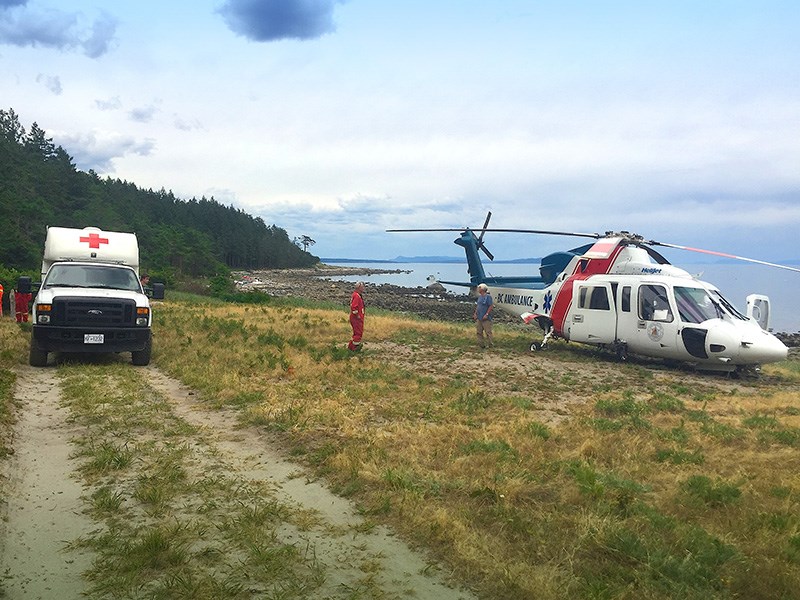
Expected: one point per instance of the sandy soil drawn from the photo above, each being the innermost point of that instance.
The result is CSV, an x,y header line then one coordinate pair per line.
x,y
258,457
44,505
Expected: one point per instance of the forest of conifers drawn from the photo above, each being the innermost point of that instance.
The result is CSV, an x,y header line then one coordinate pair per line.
x,y
40,186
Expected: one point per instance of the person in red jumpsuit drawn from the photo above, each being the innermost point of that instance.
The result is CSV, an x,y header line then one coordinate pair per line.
x,y
357,317
21,302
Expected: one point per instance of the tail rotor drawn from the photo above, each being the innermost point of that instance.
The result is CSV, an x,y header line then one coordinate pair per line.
x,y
481,245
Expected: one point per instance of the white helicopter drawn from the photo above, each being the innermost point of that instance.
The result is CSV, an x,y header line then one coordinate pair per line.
x,y
619,293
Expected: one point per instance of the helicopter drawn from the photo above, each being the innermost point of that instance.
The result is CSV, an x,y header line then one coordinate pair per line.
x,y
620,294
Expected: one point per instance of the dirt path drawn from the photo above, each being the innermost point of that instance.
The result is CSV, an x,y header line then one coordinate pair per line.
x,y
43,510
403,572
44,506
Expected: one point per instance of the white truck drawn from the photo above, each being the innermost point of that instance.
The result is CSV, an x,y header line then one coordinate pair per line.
x,y
90,298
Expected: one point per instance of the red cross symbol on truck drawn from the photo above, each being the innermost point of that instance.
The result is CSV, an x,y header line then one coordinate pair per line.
x,y
94,240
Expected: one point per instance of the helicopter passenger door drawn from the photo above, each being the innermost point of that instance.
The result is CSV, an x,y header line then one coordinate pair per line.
x,y
593,317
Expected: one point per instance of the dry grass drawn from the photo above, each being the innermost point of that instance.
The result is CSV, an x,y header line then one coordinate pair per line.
x,y
544,476
13,350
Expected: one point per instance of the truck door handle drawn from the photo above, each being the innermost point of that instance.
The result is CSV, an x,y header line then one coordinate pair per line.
x,y
577,319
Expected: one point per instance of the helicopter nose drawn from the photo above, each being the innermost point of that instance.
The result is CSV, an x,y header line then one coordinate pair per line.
x,y
746,345
765,348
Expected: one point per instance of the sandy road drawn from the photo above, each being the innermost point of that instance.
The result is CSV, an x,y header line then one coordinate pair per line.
x,y
44,504
402,570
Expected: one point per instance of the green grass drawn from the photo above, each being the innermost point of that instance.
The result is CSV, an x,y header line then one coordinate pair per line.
x,y
170,530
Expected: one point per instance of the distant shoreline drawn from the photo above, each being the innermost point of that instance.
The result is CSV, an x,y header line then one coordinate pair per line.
x,y
400,260
521,261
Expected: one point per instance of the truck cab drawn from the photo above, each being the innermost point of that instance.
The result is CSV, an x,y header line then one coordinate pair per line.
x,y
90,298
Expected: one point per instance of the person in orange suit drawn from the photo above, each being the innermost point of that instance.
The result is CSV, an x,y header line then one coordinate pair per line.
x,y
357,317
21,302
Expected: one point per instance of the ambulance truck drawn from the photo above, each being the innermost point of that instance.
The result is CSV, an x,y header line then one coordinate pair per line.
x,y
90,298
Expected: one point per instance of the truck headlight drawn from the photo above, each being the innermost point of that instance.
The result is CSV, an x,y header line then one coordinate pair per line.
x,y
43,313
142,316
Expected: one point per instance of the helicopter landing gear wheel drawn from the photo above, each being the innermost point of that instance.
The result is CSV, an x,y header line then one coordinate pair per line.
x,y
536,347
622,352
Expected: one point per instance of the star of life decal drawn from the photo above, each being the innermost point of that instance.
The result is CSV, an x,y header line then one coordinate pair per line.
x,y
547,303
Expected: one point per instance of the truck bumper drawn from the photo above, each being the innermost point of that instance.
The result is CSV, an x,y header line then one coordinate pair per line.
x,y
73,339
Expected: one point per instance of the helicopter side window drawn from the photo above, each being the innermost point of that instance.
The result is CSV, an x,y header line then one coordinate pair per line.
x,y
626,298
654,304
599,299
593,298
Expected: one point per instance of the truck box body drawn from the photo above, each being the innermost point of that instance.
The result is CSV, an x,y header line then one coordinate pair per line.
x,y
90,244
91,299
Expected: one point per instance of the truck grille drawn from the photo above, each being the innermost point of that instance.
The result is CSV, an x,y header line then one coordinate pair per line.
x,y
95,312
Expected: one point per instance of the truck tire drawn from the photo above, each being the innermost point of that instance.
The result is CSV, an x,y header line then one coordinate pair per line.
x,y
37,358
141,358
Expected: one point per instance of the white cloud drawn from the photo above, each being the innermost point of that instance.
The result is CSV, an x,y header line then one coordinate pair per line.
x,y
97,151
110,104
143,114
51,82
24,25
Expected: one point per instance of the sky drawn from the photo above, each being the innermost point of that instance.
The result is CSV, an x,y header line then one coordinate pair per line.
x,y
339,119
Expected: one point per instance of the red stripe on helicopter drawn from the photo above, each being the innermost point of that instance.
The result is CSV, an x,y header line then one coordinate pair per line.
x,y
598,260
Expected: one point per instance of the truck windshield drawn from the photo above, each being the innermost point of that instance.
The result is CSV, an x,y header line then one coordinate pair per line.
x,y
92,276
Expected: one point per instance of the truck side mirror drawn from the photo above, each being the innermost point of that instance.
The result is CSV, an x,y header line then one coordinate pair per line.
x,y
158,291
24,285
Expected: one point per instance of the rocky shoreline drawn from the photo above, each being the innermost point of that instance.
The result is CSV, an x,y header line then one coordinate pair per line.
x,y
319,283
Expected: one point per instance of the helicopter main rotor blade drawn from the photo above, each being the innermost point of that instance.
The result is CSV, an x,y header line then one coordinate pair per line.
x,y
655,255
537,231
724,255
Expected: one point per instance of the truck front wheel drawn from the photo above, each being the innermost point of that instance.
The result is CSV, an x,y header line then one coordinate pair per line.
x,y
141,358
37,358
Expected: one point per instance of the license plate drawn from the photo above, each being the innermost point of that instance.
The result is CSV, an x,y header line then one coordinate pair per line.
x,y
93,338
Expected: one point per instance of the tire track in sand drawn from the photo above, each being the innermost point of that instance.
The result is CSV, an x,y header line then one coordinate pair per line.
x,y
43,507
402,570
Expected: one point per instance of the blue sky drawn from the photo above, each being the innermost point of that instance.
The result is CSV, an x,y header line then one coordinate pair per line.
x,y
679,120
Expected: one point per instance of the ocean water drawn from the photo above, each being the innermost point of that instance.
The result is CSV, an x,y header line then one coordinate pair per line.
x,y
736,281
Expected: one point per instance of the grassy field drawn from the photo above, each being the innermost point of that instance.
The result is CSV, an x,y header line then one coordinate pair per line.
x,y
547,476
556,475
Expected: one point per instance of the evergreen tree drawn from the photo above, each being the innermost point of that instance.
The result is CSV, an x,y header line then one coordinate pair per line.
x,y
40,186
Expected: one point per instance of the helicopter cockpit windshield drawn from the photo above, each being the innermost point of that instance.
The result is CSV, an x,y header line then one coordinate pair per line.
x,y
696,305
730,308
